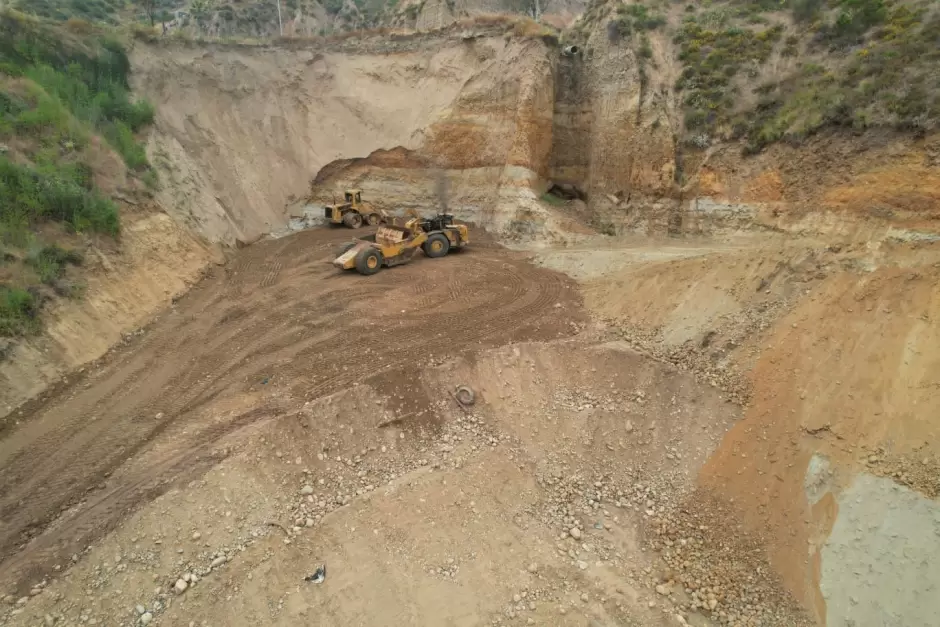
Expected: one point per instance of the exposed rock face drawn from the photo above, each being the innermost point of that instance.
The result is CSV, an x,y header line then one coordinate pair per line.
x,y
493,146
245,130
501,118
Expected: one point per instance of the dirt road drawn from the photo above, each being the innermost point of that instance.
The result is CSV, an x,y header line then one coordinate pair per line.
x,y
275,328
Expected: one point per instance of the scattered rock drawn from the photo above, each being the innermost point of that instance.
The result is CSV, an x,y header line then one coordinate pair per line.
x,y
575,533
180,586
145,618
307,489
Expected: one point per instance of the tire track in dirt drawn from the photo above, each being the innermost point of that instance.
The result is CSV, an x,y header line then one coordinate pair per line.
x,y
306,326
103,511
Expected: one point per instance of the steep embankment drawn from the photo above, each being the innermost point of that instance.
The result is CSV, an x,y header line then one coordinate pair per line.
x,y
240,131
739,111
83,245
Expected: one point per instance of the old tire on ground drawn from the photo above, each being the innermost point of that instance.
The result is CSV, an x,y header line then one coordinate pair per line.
x,y
353,220
437,245
465,395
373,219
369,261
342,248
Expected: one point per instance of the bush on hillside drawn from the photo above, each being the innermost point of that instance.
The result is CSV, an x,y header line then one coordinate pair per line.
x,y
60,193
19,312
88,82
711,61
889,83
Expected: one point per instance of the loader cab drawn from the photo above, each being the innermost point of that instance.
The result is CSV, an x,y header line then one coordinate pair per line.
x,y
353,196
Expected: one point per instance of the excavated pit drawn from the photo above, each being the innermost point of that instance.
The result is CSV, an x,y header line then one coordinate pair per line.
x,y
734,427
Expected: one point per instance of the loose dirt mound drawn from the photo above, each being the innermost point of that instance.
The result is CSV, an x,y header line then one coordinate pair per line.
x,y
533,507
285,415
276,327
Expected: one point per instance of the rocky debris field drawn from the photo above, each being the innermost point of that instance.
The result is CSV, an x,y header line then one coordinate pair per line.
x,y
315,449
610,525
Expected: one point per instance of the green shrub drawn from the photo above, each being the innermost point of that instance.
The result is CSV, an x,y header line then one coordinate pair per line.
x,y
19,312
50,261
853,20
122,139
88,81
59,193
711,60
890,83
806,10
635,17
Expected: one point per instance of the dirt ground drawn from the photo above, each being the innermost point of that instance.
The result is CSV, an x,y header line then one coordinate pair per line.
x,y
636,454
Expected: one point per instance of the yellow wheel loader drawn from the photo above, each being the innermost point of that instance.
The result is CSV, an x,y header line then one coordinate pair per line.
x,y
353,213
393,245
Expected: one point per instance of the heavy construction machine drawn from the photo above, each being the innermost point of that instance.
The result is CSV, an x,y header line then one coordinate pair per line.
x,y
393,245
353,212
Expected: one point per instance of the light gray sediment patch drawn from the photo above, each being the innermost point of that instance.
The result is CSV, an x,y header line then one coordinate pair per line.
x,y
881,564
818,478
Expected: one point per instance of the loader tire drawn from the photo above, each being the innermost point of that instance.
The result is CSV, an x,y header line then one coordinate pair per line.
x,y
353,220
373,219
436,246
369,261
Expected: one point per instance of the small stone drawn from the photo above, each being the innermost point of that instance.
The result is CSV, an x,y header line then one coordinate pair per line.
x,y
661,589
159,416
533,567
218,561
309,522
180,586
197,535
562,610
141,610
584,597
9,599
22,600
516,598
187,577
307,489
575,533
712,604
145,618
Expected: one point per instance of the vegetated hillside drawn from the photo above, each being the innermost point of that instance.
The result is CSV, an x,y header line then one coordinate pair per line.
x,y
65,110
269,18
668,102
769,70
